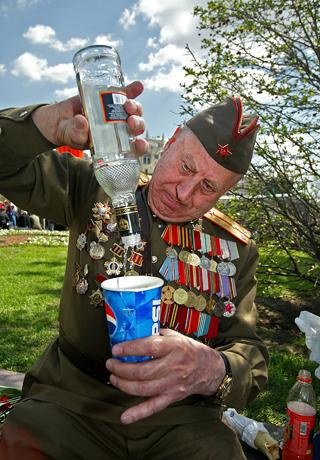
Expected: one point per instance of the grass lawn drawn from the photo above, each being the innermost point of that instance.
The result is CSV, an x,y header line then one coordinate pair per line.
x,y
31,279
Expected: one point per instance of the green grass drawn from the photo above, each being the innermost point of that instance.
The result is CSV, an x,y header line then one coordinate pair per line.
x,y
31,280
270,405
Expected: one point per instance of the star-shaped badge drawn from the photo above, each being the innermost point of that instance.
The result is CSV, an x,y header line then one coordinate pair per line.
x,y
223,150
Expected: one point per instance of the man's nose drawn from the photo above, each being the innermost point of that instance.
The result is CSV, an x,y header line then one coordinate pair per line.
x,y
186,189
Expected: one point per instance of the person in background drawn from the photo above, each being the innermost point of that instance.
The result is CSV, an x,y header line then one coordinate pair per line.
x,y
79,401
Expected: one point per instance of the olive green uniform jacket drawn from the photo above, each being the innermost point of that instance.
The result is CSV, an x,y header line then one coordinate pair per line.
x,y
63,188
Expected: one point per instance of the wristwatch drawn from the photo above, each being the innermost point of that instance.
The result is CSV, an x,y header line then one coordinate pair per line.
x,y
224,388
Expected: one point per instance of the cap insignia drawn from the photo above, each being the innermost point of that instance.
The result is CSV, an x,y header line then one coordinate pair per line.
x,y
223,150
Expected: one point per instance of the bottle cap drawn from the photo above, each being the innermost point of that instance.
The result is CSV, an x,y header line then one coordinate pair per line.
x,y
304,376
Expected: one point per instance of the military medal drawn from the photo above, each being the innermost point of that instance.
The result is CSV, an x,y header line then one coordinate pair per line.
x,y
223,268
194,259
113,266
184,256
101,211
96,298
192,299
229,309
180,296
205,263
102,238
213,266
167,295
211,303
82,286
117,250
232,269
200,303
81,241
169,269
219,309
96,251
136,258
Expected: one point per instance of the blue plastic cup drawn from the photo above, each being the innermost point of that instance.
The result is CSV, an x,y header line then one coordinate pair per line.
x,y
132,306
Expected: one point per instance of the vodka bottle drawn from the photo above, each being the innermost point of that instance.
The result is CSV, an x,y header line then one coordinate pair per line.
x,y
301,408
101,88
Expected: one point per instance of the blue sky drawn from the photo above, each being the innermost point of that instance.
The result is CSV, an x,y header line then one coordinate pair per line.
x,y
40,37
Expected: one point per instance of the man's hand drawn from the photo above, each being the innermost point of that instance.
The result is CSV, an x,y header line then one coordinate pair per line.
x,y
64,124
181,367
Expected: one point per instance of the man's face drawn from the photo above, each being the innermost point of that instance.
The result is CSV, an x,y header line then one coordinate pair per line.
x,y
187,182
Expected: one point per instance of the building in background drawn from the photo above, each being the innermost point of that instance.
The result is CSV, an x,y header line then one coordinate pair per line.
x,y
149,160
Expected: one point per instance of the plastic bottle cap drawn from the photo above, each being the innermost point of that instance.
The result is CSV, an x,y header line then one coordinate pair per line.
x,y
304,376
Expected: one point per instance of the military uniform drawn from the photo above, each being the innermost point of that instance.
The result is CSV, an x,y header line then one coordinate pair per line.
x,y
84,410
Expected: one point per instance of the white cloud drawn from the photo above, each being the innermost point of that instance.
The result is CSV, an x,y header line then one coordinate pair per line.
x,y
168,80
128,17
152,42
176,26
37,69
107,40
2,69
46,35
66,93
167,54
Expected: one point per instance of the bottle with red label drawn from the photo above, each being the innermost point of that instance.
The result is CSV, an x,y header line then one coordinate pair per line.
x,y
301,409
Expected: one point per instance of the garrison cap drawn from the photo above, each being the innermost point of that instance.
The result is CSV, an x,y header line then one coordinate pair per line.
x,y
227,135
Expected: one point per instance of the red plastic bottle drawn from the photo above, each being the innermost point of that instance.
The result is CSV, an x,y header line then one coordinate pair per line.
x,y
301,409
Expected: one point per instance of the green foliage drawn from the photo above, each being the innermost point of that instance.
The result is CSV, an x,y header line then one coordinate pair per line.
x,y
267,51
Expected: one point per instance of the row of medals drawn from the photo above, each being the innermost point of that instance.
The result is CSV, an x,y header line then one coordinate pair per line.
x,y
170,295
214,305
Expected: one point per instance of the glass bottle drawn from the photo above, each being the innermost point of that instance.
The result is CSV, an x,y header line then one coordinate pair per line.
x,y
301,409
117,169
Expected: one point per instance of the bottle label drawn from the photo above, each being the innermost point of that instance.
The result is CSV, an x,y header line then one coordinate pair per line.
x,y
128,220
112,106
298,434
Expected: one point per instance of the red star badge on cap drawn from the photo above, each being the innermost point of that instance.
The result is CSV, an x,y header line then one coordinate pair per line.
x,y
223,150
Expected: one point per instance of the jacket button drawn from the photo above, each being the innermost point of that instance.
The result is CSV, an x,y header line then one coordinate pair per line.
x,y
154,259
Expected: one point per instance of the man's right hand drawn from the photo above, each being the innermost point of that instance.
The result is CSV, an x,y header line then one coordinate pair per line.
x,y
63,123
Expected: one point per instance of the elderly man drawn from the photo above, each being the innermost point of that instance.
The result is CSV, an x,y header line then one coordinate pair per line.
x,y
79,403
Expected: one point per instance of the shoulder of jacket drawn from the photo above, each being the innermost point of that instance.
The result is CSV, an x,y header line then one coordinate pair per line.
x,y
229,225
19,114
144,179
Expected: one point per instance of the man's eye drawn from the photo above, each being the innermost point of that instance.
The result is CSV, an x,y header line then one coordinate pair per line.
x,y
186,168
207,187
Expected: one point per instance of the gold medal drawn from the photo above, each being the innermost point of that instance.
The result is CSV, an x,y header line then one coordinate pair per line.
x,y
213,266
194,260
180,296
184,256
200,303
167,295
192,299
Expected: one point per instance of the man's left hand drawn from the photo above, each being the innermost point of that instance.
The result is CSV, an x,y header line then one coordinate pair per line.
x,y
180,367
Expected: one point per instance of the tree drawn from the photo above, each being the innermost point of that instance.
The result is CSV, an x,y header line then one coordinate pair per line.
x,y
268,52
